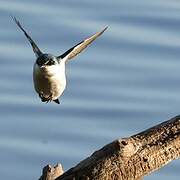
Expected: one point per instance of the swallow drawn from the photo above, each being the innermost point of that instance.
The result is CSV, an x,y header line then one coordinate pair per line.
x,y
49,74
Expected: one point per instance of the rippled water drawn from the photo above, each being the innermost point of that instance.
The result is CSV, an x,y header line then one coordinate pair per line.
x,y
127,81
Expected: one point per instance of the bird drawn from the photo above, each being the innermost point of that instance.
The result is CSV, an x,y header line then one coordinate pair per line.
x,y
49,75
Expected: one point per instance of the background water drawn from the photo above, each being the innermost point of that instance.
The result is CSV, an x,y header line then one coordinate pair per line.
x,y
127,81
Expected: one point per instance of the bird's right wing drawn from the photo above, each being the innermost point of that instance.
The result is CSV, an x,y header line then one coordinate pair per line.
x,y
75,50
36,50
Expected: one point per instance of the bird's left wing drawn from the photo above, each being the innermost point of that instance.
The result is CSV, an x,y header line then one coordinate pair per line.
x,y
71,53
36,50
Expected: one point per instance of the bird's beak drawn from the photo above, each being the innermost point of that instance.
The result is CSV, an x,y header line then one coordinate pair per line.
x,y
43,66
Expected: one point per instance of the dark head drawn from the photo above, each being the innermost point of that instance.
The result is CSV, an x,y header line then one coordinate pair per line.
x,y
46,60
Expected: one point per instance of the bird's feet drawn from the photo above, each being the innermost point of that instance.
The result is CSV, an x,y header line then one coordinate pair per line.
x,y
45,99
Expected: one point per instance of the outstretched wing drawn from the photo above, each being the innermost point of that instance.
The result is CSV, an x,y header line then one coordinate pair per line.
x,y
80,46
36,50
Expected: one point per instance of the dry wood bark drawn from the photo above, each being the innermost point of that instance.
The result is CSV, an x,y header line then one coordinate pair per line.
x,y
128,158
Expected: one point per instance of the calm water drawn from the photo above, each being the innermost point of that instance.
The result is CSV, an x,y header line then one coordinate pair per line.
x,y
127,81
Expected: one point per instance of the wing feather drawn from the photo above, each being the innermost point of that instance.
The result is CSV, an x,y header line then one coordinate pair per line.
x,y
75,50
36,50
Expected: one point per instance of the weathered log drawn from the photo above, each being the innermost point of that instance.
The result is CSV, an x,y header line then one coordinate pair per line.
x,y
128,158
51,173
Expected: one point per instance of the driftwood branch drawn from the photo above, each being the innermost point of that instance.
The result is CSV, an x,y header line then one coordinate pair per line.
x,y
128,158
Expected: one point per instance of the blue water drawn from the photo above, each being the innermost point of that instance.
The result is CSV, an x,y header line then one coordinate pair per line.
x,y
127,81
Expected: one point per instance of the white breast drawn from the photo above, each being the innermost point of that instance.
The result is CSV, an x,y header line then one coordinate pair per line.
x,y
50,80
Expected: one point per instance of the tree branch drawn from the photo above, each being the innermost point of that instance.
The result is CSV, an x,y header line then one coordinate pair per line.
x,y
128,158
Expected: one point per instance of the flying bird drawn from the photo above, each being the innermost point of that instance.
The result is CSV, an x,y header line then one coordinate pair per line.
x,y
49,75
